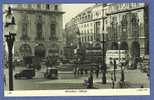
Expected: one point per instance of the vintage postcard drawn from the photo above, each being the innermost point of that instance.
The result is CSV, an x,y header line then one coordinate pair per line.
x,y
76,49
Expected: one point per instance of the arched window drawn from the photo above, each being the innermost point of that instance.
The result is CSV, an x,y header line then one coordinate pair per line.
x,y
52,31
29,6
24,28
39,28
38,6
124,27
135,26
56,7
47,6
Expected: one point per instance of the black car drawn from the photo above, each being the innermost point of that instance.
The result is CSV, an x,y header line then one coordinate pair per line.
x,y
51,73
26,73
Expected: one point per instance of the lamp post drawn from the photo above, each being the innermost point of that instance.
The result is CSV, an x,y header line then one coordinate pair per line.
x,y
119,52
103,62
10,38
103,67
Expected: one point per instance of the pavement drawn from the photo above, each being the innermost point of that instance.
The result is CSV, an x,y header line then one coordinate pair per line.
x,y
67,80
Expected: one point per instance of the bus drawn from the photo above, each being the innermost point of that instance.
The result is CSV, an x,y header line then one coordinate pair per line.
x,y
120,56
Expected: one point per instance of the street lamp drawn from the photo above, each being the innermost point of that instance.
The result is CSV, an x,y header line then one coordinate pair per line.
x,y
103,67
119,52
103,62
10,29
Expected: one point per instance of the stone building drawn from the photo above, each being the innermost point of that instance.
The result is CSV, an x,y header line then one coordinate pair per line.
x,y
39,29
125,27
88,24
128,28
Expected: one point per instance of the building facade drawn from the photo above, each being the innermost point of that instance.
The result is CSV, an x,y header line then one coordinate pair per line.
x,y
39,29
122,26
128,28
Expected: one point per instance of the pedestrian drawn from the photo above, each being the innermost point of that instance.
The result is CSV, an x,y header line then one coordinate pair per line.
x,y
115,67
97,72
120,84
74,72
112,79
115,64
111,64
78,71
86,71
148,73
122,75
90,81
81,71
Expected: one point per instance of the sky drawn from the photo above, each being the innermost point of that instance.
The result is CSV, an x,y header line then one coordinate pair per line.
x,y
71,10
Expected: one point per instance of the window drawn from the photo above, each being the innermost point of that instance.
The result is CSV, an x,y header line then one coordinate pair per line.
x,y
47,6
29,6
52,31
39,31
85,17
91,30
91,38
89,17
24,27
56,7
97,27
87,25
88,38
24,35
85,39
97,13
84,25
88,31
38,6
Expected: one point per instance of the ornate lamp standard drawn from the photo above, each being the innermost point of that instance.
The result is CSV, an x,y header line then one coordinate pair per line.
x,y
10,38
103,62
103,67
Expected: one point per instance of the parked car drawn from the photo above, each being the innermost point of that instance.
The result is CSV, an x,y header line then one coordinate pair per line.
x,y
26,73
51,73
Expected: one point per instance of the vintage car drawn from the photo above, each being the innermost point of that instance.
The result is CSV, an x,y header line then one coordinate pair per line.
x,y
26,73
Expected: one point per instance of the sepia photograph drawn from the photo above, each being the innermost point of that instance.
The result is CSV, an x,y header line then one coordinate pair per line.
x,y
76,48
